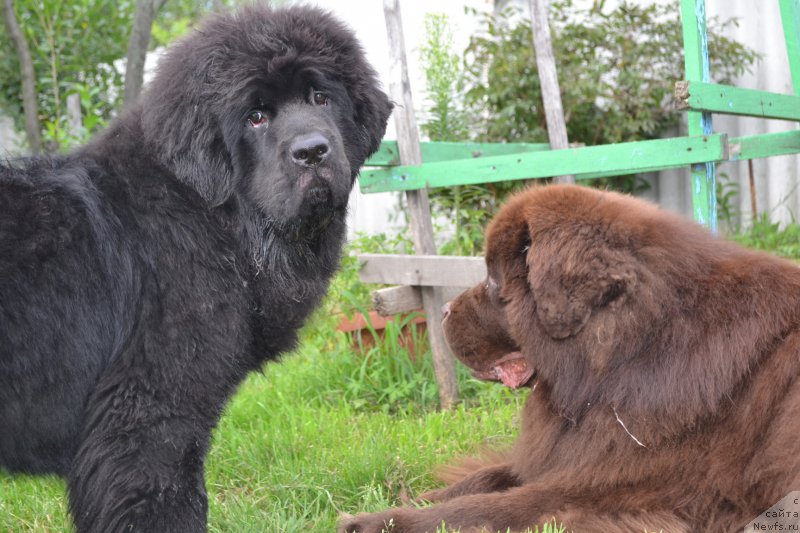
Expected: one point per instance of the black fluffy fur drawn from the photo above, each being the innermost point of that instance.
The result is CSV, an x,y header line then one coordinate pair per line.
x,y
143,275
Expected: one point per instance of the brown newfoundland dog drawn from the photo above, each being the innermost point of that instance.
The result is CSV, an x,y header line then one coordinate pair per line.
x,y
663,362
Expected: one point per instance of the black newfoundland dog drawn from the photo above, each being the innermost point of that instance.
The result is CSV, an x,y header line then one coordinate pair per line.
x,y
143,275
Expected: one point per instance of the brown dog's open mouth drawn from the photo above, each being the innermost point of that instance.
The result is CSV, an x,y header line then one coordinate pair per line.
x,y
511,369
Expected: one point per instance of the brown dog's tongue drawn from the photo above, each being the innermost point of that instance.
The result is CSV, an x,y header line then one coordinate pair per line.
x,y
513,370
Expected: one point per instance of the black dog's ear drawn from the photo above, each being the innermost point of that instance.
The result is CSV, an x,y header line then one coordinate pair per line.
x,y
573,276
372,110
181,112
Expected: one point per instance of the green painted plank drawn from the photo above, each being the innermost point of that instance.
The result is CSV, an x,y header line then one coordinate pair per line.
x,y
715,98
695,46
625,172
692,40
790,15
765,145
611,159
387,154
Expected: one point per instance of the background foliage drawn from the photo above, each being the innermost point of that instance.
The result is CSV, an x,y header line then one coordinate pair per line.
x,y
79,47
466,208
617,69
74,46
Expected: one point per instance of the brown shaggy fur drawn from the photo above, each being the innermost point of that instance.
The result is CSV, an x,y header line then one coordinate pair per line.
x,y
666,394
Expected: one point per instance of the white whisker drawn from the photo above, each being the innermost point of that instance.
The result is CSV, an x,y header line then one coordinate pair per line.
x,y
621,423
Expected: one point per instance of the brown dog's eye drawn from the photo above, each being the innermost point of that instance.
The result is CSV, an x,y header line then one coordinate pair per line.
x,y
257,118
493,291
320,98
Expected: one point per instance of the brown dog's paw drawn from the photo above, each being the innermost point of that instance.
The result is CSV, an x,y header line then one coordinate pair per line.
x,y
432,496
366,523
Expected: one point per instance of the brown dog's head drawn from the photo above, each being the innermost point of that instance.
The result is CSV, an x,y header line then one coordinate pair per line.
x,y
550,269
581,286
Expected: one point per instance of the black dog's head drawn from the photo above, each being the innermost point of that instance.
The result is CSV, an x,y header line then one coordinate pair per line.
x,y
278,108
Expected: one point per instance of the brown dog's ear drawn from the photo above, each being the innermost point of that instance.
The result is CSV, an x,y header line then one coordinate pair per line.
x,y
572,276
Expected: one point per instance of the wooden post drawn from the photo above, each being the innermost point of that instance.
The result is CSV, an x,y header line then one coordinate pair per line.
x,y
695,44
548,79
419,212
74,115
752,178
790,18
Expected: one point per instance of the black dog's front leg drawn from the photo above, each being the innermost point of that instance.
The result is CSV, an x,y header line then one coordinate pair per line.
x,y
147,429
147,423
143,474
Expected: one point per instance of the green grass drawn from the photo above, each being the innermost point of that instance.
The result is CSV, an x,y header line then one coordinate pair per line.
x,y
781,240
322,432
318,435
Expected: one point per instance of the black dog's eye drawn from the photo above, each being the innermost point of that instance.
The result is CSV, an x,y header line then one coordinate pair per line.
x,y
257,118
320,98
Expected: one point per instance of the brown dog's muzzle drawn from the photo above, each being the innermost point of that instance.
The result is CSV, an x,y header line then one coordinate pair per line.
x,y
477,332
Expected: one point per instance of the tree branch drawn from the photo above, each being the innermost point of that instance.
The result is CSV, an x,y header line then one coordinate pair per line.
x,y
29,104
146,11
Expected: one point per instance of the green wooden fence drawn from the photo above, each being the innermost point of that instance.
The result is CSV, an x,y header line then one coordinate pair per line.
x,y
449,164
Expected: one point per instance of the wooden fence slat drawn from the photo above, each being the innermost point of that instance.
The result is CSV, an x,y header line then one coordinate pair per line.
x,y
790,17
740,148
419,211
422,270
764,145
619,158
695,47
402,299
548,81
432,152
74,115
727,100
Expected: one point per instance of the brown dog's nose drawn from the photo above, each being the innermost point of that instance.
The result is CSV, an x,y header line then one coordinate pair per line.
x,y
445,310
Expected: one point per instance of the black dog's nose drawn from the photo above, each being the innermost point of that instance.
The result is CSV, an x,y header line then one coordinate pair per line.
x,y
310,150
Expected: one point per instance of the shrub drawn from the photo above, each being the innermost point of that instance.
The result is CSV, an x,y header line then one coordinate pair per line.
x,y
617,69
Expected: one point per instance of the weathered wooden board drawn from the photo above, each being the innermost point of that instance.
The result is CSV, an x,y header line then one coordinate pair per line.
x,y
727,100
419,212
614,158
765,145
696,63
790,18
548,81
388,154
405,298
422,270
